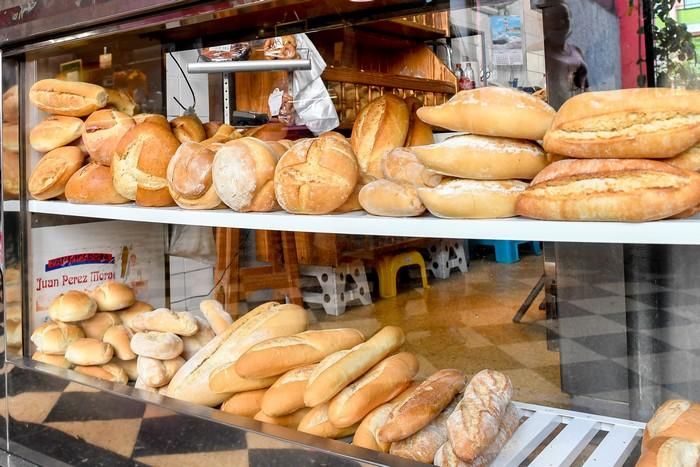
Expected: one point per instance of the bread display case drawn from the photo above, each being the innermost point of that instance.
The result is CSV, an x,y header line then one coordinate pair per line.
x,y
286,232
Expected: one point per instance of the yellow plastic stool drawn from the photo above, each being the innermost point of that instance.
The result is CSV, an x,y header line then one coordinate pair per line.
x,y
389,265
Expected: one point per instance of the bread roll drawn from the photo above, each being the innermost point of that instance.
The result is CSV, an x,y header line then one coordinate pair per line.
x,y
88,352
129,314
190,177
193,343
243,173
687,160
54,132
317,175
152,118
276,356
53,338
181,323
591,167
387,198
96,326
10,174
419,133
113,296
71,98
102,131
121,101
10,137
380,127
675,418
483,157
209,377
140,384
107,372
119,337
667,452
188,128
10,105
272,131
402,165
92,184
140,164
216,316
654,191
129,367
287,394
316,422
158,345
472,199
338,370
72,306
290,421
55,360
422,445
475,422
50,176
156,373
223,134
492,111
426,403
211,128
244,404
626,123
352,203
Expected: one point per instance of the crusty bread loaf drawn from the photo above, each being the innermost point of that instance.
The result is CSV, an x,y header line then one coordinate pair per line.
x,y
387,198
382,383
492,111
244,404
181,323
10,105
129,314
483,157
675,418
426,403
216,316
119,337
188,128
88,352
107,372
69,98
158,345
102,131
472,199
92,184
573,167
152,118
352,203
276,356
54,337
654,191
96,326
54,132
422,445
316,422
121,101
190,177
402,165
113,296
688,159
636,123
340,369
55,360
419,133
243,172
287,394
317,175
223,134
290,421
72,306
209,377
475,422
156,373
51,174
667,452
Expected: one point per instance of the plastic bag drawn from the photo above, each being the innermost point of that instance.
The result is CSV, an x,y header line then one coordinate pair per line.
x,y
193,242
312,103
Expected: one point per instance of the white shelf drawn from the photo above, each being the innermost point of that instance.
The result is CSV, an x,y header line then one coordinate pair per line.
x,y
671,232
10,206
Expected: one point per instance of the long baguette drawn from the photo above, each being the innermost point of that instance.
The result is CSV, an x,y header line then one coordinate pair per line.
x,y
244,404
290,421
316,422
287,394
74,99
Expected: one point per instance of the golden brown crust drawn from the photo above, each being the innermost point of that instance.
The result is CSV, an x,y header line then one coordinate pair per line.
x,y
108,372
51,174
10,105
152,118
286,395
674,418
10,137
571,167
402,165
419,133
316,422
102,131
74,99
87,352
290,421
211,128
245,404
10,174
121,101
54,337
688,159
351,204
472,199
387,198
55,131
72,306
92,184
190,177
188,128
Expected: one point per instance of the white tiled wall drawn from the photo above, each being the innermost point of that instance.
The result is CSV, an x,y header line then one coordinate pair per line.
x,y
177,86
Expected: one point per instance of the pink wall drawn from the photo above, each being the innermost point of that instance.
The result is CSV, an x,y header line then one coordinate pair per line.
x,y
629,42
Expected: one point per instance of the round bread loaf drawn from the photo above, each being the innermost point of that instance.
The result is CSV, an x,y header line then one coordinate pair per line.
x,y
10,105
121,101
380,127
316,176
102,131
243,174
72,306
387,198
55,360
88,352
483,158
152,118
51,174
472,199
190,177
92,184
128,315
10,137
108,372
53,338
492,111
140,164
119,338
96,326
54,132
71,98
158,345
402,165
113,296
188,128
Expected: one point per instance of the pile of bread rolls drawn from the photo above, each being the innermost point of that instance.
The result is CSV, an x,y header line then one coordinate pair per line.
x,y
672,436
10,143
